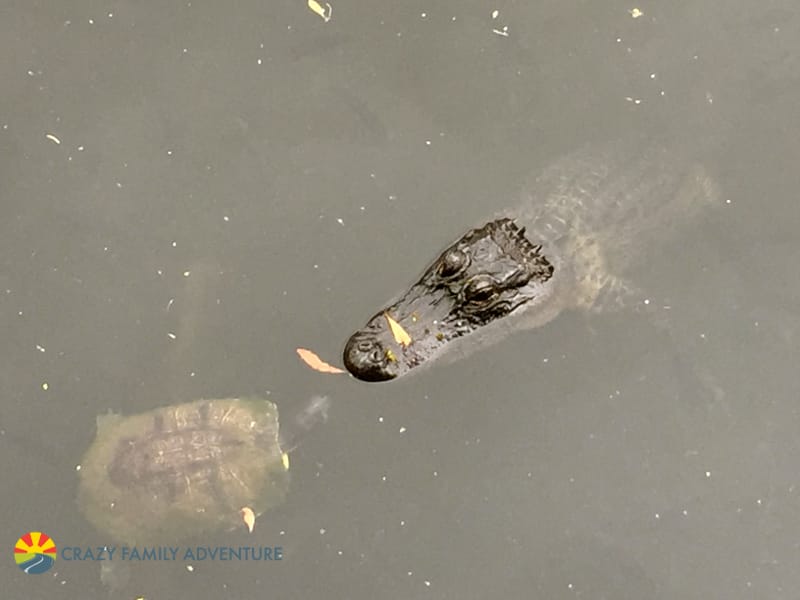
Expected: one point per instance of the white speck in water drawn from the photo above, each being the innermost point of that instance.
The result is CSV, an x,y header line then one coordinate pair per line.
x,y
45,386
322,531
77,467
657,516
40,348
708,474
190,568
685,512
172,336
174,244
226,218
495,13
187,273
402,430
340,221
380,419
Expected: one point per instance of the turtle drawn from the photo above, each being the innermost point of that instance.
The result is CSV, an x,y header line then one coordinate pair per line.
x,y
188,469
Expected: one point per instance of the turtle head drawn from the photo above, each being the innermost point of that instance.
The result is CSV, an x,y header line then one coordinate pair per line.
x,y
294,429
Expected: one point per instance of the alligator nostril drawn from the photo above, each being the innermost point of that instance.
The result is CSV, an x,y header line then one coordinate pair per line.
x,y
365,360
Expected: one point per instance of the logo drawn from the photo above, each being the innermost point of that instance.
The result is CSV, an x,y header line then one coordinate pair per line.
x,y
35,552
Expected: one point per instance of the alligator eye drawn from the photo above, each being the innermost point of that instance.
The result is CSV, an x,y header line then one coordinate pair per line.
x,y
480,290
452,263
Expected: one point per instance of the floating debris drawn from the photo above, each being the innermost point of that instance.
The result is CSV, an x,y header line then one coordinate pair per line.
x,y
316,363
323,11
249,518
400,335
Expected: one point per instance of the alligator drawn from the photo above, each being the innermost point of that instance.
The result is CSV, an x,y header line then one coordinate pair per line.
x,y
585,221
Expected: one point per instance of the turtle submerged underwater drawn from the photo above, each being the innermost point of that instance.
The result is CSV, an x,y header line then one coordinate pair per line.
x,y
184,470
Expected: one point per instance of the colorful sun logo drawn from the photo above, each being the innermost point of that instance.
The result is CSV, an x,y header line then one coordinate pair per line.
x,y
35,552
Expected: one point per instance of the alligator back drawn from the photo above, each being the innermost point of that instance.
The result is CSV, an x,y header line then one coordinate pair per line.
x,y
600,211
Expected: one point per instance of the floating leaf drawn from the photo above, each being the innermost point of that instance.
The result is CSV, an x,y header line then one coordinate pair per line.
x,y
317,8
316,363
400,335
249,518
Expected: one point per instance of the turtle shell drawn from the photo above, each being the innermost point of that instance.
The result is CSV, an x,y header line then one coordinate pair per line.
x,y
183,470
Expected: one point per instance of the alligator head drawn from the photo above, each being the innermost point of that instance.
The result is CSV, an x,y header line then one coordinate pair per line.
x,y
486,275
